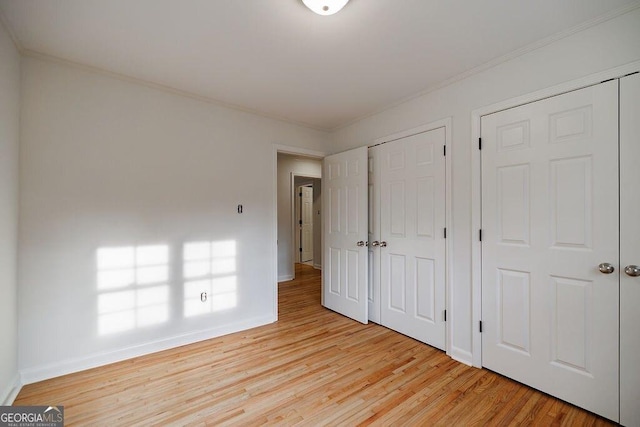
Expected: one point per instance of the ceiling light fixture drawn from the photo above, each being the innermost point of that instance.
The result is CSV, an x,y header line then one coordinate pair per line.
x,y
325,7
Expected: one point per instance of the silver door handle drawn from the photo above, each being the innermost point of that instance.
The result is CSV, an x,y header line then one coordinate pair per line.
x,y
383,244
375,243
361,243
606,268
632,270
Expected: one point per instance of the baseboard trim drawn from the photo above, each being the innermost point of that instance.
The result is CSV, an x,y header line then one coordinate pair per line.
x,y
285,278
52,370
11,392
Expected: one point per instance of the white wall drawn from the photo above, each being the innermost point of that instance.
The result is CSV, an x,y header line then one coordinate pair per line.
x,y
9,133
106,163
288,164
607,45
111,163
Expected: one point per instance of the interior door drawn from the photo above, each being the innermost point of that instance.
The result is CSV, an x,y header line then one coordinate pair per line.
x,y
629,251
306,226
344,192
549,219
412,242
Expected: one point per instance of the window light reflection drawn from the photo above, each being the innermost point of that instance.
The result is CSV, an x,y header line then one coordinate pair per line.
x,y
132,286
211,284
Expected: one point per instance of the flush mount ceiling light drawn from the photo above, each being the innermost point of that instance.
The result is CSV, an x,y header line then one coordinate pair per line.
x,y
325,7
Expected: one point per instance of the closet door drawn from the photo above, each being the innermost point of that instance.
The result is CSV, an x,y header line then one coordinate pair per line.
x,y
550,279
344,204
629,250
412,245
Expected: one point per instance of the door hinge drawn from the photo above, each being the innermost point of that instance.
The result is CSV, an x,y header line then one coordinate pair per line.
x,y
444,149
300,249
445,232
300,194
445,315
480,234
300,222
481,326
479,143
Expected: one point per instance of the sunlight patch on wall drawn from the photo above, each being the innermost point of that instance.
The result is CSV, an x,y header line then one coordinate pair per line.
x,y
132,286
210,281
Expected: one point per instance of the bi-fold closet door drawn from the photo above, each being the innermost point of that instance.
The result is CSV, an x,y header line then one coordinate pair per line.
x,y
407,237
384,235
559,226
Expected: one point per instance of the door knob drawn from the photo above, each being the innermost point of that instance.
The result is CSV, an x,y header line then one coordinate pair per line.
x,y
383,244
632,270
606,268
361,243
375,243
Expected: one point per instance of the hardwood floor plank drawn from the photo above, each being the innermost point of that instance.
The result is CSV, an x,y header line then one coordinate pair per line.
x,y
312,367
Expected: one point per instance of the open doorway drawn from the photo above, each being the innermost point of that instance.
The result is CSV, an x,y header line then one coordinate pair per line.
x,y
304,219
298,173
307,220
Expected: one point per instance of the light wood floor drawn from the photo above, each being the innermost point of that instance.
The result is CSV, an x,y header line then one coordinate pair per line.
x,y
312,367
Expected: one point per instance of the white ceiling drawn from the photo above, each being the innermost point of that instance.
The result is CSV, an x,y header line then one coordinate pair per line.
x,y
277,58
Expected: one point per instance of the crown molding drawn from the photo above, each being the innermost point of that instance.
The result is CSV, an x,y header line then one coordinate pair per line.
x,y
499,60
210,100
165,88
4,22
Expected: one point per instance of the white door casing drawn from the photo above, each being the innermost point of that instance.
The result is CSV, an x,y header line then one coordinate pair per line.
x,y
344,193
412,219
549,218
306,226
629,250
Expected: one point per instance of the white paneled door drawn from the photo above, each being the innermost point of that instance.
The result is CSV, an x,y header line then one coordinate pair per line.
x,y
549,239
306,223
629,250
412,241
344,192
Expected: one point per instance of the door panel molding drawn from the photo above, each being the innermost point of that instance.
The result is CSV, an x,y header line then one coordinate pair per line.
x,y
571,331
413,207
473,355
422,157
345,207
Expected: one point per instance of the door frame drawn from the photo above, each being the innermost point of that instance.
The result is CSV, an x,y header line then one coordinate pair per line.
x,y
295,231
296,151
445,123
475,356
